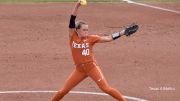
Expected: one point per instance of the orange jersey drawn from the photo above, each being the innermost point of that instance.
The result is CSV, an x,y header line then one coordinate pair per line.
x,y
82,49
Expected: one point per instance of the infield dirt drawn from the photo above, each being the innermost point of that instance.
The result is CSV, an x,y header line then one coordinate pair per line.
x,y
35,53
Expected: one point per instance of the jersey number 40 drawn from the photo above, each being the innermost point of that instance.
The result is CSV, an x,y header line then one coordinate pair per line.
x,y
85,52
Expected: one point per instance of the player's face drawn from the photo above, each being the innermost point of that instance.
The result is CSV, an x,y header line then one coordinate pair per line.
x,y
83,31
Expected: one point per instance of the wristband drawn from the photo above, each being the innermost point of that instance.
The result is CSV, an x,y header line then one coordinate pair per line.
x,y
72,22
116,35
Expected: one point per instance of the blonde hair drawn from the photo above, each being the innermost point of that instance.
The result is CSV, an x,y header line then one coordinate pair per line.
x,y
79,24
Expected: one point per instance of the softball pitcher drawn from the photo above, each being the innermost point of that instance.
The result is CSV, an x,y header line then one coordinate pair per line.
x,y
81,44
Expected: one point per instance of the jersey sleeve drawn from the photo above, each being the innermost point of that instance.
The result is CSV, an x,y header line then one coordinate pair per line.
x,y
94,38
73,35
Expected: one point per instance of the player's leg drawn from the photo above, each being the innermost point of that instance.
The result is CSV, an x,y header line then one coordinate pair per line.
x,y
75,77
97,75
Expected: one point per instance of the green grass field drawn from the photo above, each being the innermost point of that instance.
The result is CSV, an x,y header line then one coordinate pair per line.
x,y
57,1
157,0
17,1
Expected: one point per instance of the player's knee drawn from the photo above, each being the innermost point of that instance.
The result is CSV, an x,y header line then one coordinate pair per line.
x,y
63,91
60,94
105,88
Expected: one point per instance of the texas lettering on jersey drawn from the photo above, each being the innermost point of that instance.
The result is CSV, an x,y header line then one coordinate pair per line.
x,y
83,46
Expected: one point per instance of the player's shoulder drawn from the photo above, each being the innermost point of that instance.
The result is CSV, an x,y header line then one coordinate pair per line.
x,y
93,36
74,34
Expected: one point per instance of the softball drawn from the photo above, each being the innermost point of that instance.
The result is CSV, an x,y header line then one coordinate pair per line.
x,y
83,2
